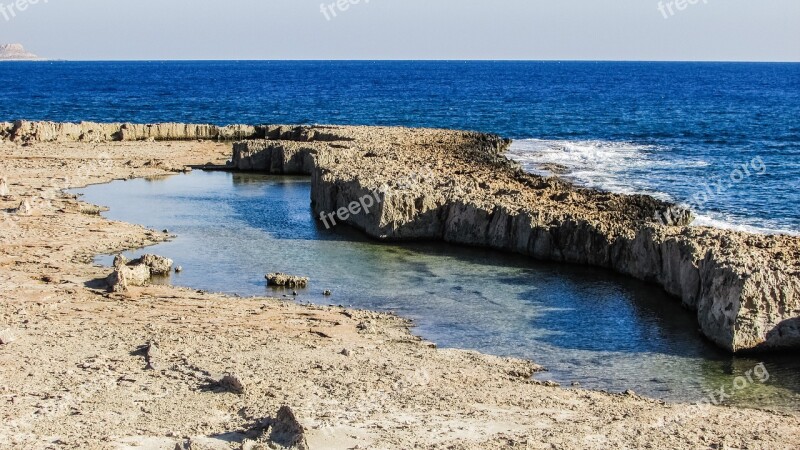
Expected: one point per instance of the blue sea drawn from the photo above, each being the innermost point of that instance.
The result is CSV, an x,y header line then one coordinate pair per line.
x,y
723,138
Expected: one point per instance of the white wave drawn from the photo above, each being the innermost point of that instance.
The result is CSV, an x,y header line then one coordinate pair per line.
x,y
623,168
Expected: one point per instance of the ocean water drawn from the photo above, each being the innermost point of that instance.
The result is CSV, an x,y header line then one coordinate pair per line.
x,y
721,137
585,325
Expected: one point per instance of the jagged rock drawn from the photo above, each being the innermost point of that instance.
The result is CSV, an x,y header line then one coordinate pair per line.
x,y
3,187
287,431
151,355
744,288
7,336
137,272
232,383
25,131
126,276
158,264
284,280
24,208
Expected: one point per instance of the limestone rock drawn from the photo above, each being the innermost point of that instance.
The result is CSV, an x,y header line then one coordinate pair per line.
x,y
284,280
7,336
287,431
232,383
24,208
158,265
744,288
137,272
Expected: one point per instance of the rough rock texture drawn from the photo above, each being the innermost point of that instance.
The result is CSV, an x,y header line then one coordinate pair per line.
x,y
158,265
459,188
137,272
284,280
24,131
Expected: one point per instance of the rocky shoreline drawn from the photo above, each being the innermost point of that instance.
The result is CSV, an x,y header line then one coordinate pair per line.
x,y
744,287
86,368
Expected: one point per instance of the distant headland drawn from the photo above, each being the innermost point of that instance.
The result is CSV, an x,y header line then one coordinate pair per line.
x,y
16,52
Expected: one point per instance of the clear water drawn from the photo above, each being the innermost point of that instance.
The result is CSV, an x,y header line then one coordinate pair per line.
x,y
585,325
662,128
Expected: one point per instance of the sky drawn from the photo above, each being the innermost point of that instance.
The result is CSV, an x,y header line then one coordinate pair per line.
x,y
641,30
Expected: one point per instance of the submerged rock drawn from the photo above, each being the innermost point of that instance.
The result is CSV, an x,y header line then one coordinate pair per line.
x,y
285,280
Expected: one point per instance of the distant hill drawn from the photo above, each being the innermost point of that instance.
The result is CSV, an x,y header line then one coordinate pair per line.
x,y
16,52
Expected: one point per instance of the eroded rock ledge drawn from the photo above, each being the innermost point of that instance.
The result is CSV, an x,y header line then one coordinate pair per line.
x,y
458,187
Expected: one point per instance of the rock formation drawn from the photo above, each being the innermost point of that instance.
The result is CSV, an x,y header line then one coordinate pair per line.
x,y
459,188
284,280
137,272
16,52
744,287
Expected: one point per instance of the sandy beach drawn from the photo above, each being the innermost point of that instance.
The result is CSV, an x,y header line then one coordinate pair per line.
x,y
77,372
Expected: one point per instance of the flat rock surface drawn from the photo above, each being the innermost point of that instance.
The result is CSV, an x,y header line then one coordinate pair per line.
x,y
76,375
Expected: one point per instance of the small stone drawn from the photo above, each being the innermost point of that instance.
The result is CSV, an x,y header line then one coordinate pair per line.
x,y
3,187
327,293
232,383
294,293
7,337
24,208
346,352
178,269
165,231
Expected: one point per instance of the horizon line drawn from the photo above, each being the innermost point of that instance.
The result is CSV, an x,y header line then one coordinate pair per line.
x,y
416,60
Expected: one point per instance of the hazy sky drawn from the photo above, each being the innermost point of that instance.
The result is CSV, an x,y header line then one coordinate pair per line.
x,y
751,30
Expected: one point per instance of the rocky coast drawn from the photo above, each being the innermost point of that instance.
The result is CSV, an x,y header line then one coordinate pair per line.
x,y
159,367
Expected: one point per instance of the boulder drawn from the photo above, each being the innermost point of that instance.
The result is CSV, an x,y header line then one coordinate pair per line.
x,y
284,280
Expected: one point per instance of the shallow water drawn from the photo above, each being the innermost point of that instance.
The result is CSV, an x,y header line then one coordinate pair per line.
x,y
584,325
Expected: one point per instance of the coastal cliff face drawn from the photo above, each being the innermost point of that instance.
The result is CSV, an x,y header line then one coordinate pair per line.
x,y
457,187
24,131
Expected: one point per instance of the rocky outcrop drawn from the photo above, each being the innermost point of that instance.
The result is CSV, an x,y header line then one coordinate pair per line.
x,y
26,131
16,52
459,188
137,272
285,280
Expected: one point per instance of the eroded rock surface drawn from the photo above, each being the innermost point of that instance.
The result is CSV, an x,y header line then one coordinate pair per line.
x,y
459,188
137,272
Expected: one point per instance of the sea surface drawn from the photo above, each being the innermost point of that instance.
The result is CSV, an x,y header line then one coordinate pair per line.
x,y
585,325
723,138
